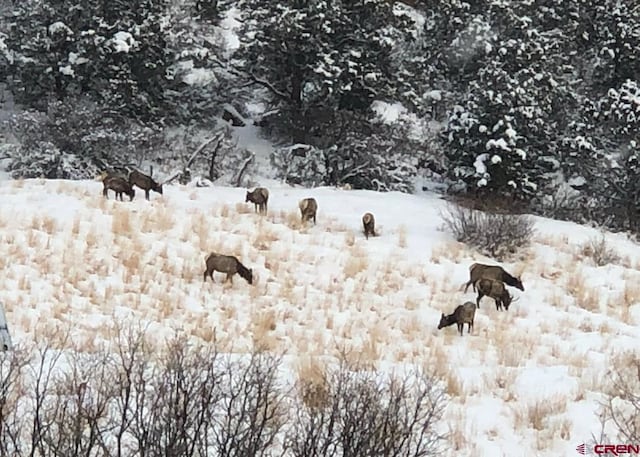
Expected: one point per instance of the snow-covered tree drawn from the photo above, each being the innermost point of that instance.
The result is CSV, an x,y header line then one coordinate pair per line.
x,y
318,54
504,135
111,50
77,139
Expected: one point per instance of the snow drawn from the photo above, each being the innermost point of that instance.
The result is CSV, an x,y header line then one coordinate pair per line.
x,y
228,26
75,260
199,77
479,165
59,27
388,112
500,143
123,42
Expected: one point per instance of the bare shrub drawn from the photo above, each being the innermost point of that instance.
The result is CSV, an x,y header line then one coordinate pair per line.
x,y
252,411
352,413
12,367
495,235
598,250
622,403
183,399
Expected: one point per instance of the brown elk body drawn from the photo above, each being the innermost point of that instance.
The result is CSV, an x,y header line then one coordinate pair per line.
x,y
259,197
226,264
308,209
369,224
144,182
480,271
463,314
119,185
494,289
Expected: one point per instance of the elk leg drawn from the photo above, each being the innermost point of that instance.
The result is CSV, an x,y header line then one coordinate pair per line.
x,y
460,326
470,325
146,194
480,295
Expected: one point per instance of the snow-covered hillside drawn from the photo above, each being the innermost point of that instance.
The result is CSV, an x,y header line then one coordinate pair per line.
x,y
525,382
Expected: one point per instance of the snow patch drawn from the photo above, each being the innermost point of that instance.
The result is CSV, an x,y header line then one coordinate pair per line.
x,y
123,42
388,112
199,77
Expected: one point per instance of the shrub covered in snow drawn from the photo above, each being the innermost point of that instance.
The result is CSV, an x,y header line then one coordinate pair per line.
x,y
76,140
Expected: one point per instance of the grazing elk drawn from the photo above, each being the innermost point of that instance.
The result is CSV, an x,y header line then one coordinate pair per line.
x,y
226,264
480,271
119,185
259,197
144,182
369,224
308,209
495,289
463,314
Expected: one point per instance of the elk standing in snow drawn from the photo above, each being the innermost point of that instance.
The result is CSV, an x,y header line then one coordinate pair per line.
x,y
119,185
369,224
144,182
308,208
463,314
495,289
480,271
226,264
259,197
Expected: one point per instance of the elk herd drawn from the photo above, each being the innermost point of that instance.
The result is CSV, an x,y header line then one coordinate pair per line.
x,y
487,280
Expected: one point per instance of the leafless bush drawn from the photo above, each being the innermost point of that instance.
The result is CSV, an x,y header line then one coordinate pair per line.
x,y
181,390
353,413
12,367
598,250
495,235
186,399
622,404
252,411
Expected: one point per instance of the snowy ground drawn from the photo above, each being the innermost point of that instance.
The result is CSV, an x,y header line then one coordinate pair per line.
x,y
526,382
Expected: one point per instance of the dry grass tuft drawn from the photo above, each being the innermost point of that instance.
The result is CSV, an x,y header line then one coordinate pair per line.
x,y
312,380
538,414
263,323
402,236
244,208
292,220
452,251
349,238
586,297
598,250
356,263
121,221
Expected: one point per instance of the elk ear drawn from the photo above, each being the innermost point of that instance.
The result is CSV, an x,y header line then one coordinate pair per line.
x,y
442,314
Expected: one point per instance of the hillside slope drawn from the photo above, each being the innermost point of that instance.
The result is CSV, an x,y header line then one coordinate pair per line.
x,y
525,381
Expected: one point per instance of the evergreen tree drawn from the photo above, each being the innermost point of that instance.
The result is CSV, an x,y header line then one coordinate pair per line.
x,y
113,51
318,56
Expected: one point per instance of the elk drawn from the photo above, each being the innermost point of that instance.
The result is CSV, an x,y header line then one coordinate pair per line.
x,y
119,185
226,264
369,224
308,208
463,314
495,289
259,197
144,182
480,271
